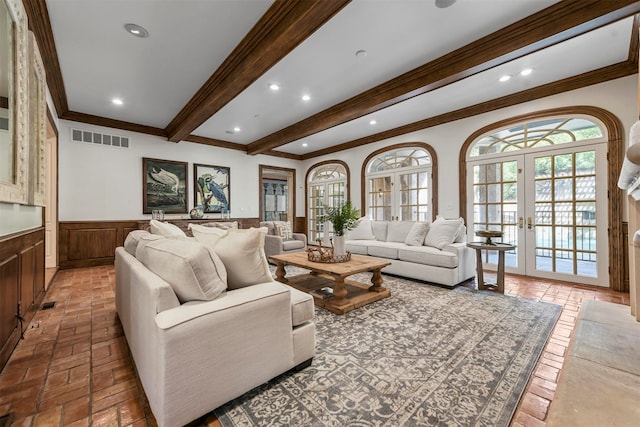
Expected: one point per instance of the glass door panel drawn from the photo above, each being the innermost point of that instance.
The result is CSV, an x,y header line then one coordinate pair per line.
x,y
568,206
414,196
497,195
380,198
316,201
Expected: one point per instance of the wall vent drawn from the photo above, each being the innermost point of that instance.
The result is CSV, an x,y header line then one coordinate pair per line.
x,y
78,135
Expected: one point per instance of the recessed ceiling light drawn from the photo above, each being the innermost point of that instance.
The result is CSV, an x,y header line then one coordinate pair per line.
x,y
136,30
505,78
361,53
442,4
117,101
306,98
274,86
236,129
526,71
372,122
304,144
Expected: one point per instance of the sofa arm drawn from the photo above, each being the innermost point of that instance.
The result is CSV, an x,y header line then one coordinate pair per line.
x,y
272,245
300,236
457,248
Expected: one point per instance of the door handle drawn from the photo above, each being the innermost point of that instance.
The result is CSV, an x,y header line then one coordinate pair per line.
x,y
520,222
529,225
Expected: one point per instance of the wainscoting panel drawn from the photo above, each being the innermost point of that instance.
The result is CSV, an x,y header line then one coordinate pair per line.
x,y
21,285
91,243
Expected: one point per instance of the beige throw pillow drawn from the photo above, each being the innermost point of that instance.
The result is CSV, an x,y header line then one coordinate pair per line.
x,y
362,231
193,270
207,235
242,252
417,234
131,242
443,232
284,231
165,229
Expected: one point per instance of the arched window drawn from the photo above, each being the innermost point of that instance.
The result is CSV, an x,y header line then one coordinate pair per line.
x,y
399,182
327,185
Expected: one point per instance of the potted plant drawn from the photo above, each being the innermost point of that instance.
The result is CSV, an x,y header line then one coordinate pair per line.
x,y
342,218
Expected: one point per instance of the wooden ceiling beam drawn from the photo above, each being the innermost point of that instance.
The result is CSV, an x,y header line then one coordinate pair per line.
x,y
280,30
555,24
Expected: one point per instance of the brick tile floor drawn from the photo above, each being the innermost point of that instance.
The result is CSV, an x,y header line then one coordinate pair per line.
x,y
73,366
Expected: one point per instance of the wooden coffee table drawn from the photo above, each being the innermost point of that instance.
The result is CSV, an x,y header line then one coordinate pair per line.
x,y
347,294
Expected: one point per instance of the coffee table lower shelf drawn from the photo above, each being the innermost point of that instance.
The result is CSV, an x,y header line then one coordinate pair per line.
x,y
359,294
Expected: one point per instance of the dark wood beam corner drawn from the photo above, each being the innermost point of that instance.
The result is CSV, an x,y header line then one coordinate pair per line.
x,y
112,123
280,30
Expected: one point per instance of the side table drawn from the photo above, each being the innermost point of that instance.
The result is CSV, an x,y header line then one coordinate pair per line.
x,y
501,248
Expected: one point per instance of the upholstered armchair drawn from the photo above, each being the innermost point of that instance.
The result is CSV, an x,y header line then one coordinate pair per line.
x,y
281,240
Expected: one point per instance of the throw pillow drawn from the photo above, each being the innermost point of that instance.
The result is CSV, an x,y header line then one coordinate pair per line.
x,y
131,242
207,235
417,234
165,229
284,231
363,231
398,231
442,232
193,270
242,252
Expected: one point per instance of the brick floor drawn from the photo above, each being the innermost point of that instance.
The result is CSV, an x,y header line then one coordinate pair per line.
x,y
73,366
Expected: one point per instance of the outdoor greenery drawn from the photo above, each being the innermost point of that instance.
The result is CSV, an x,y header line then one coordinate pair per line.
x,y
343,218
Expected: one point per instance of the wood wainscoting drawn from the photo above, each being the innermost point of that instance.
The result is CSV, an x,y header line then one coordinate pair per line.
x,y
91,243
21,285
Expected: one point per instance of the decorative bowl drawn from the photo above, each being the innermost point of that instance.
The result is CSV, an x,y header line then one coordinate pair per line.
x,y
488,234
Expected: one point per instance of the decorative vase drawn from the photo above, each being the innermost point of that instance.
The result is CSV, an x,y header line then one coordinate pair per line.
x,y
196,213
338,246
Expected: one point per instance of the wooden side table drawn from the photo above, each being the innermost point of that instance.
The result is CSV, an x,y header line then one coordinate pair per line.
x,y
501,248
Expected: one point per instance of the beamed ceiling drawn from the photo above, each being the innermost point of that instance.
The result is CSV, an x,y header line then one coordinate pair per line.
x,y
203,73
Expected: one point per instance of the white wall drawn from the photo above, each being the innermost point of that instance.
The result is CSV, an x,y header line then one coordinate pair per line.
x,y
98,182
617,96
105,183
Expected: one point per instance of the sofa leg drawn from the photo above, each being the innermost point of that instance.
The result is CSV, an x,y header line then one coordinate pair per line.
x,y
303,365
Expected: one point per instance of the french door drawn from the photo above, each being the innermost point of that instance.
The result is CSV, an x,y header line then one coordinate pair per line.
x,y
552,205
401,196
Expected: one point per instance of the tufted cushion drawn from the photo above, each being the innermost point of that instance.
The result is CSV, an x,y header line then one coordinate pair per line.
x,y
443,232
192,269
417,234
165,229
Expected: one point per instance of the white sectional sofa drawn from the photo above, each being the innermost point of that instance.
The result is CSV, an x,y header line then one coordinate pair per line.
x,y
432,252
200,332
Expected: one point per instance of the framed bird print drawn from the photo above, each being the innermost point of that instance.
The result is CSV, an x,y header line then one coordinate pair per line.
x,y
164,184
211,188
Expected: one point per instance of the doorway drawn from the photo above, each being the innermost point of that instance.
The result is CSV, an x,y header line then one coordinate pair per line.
x,y
51,200
277,194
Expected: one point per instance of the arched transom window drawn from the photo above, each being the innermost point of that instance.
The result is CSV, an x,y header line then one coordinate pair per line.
x,y
537,134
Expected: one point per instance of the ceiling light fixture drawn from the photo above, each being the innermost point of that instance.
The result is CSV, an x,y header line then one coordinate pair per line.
x,y
443,4
372,122
306,98
304,144
117,101
526,71
505,78
236,129
136,30
274,86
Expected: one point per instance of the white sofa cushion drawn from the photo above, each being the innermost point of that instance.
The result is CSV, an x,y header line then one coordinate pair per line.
x,y
443,232
429,256
192,269
132,240
363,231
385,249
398,231
380,230
358,247
242,252
417,234
207,235
165,229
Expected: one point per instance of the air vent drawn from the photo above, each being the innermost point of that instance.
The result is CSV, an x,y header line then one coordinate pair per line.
x,y
48,305
88,137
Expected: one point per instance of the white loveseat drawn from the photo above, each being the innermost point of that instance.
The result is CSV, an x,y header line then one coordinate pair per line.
x,y
197,341
433,252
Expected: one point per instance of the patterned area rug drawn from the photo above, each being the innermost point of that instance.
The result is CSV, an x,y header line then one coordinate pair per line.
x,y
426,356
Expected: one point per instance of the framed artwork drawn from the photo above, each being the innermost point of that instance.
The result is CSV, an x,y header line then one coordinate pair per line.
x,y
164,186
211,188
37,126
